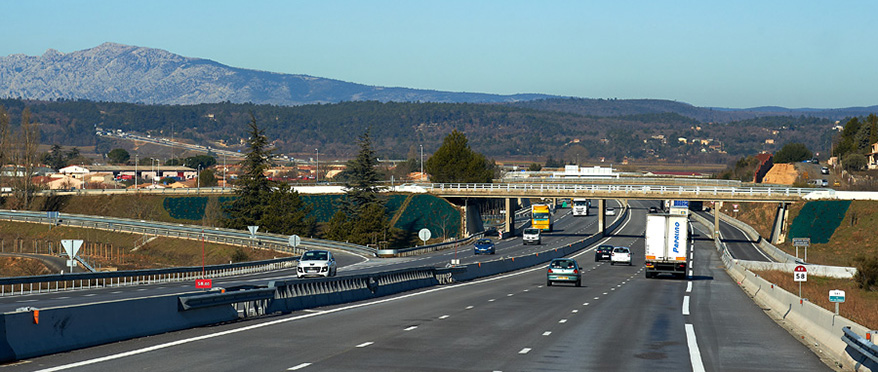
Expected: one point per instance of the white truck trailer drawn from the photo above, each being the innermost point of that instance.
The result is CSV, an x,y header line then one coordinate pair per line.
x,y
667,245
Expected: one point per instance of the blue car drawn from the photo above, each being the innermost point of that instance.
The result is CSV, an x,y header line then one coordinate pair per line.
x,y
483,246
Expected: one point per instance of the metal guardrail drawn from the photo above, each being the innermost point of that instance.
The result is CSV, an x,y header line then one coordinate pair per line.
x,y
619,191
865,347
73,281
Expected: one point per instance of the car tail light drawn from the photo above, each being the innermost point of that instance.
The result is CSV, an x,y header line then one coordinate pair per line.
x,y
576,271
550,271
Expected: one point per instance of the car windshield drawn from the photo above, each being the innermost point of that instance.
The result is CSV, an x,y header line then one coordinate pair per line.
x,y
315,256
563,264
531,231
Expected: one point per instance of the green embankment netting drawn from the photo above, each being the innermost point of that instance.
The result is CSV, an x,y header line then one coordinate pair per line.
x,y
423,211
818,220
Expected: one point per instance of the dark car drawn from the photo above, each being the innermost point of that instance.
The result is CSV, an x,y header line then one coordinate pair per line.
x,y
603,253
483,246
564,270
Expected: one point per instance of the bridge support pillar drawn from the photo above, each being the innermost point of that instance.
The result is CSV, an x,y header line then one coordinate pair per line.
x,y
716,208
509,218
779,231
601,210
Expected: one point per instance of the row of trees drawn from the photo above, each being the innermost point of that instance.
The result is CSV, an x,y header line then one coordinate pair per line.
x,y
19,149
855,142
361,215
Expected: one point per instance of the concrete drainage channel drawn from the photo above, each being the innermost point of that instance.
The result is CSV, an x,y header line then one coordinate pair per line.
x,y
35,332
851,345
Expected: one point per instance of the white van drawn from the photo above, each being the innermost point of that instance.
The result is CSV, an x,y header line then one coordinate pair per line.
x,y
531,236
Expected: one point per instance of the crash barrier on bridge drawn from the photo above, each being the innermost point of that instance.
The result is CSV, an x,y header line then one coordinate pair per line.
x,y
507,264
59,282
864,346
33,332
820,325
786,263
275,242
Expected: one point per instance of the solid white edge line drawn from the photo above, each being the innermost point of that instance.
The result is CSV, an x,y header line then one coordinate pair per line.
x,y
300,366
310,315
694,353
685,305
365,344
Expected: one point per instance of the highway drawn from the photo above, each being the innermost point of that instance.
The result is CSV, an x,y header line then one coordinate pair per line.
x,y
618,320
567,231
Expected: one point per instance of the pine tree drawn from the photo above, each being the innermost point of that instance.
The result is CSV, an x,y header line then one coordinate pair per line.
x,y
454,161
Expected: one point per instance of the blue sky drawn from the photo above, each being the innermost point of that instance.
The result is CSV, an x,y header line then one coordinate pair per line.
x,y
707,53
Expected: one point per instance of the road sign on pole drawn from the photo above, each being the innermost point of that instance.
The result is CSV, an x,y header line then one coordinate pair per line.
x,y
837,296
72,248
802,242
800,274
295,240
424,234
253,230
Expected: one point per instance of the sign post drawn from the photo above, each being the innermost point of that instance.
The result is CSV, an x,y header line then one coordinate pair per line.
x,y
253,230
72,248
294,241
800,274
837,296
802,242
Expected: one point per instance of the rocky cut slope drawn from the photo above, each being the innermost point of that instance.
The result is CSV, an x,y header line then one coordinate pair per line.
x,y
123,73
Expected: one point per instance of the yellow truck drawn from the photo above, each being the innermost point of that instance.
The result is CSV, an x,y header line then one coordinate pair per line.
x,y
541,217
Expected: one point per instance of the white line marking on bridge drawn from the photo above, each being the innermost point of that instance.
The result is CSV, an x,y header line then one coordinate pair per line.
x,y
300,366
117,292
89,295
575,311
685,305
605,293
470,307
546,333
492,300
365,344
596,298
689,287
585,304
26,301
63,298
527,290
444,317
410,328
510,295
524,351
562,321
694,353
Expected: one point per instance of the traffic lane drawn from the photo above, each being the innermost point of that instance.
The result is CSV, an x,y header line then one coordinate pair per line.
x,y
733,332
739,244
498,317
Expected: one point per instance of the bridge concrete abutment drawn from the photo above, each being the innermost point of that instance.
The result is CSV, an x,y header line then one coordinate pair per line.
x,y
716,208
509,218
779,231
601,216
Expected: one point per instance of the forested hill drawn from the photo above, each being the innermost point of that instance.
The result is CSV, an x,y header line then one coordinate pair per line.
x,y
617,107
397,129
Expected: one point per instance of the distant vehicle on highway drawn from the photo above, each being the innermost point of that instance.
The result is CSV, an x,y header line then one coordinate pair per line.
x,y
824,170
531,236
621,255
316,263
580,207
564,270
653,210
484,246
610,211
603,252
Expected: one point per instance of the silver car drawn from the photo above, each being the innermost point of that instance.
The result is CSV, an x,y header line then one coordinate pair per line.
x,y
316,264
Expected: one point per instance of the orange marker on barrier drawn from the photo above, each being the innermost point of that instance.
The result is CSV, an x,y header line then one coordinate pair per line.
x,y
513,259
36,317
480,264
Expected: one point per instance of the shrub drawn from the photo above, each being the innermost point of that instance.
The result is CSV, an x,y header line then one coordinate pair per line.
x,y
867,272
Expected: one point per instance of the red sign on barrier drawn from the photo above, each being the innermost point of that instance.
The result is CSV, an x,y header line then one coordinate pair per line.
x,y
204,283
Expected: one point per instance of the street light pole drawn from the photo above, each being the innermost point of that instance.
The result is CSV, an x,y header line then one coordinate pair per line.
x,y
317,176
422,163
135,172
198,177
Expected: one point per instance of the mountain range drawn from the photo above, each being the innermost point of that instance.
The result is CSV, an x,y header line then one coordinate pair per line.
x,y
123,73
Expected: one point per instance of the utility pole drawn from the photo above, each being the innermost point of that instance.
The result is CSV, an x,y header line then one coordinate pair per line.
x,y
317,176
135,172
422,163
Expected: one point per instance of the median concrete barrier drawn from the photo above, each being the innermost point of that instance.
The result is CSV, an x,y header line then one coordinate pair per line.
x,y
38,332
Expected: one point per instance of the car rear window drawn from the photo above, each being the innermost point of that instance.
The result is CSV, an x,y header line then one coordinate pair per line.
x,y
621,250
562,264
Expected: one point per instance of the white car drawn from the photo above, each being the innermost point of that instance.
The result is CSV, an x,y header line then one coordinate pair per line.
x,y
610,211
316,264
620,255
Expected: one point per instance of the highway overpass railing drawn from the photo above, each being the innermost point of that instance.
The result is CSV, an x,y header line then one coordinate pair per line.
x,y
616,191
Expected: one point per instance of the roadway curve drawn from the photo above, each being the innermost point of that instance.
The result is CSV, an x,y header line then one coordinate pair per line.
x,y
618,320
